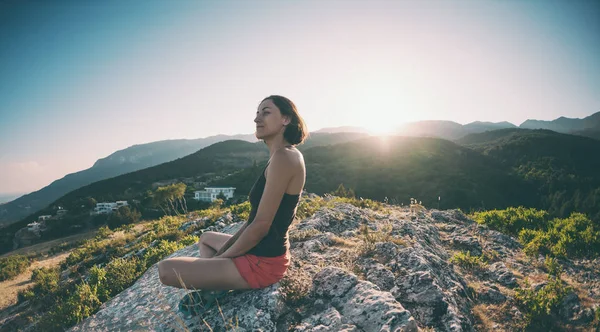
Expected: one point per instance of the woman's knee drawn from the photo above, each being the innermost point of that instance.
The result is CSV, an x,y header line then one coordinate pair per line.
x,y
166,274
206,236
162,274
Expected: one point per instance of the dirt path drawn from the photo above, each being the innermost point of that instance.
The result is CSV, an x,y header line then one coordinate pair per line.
x,y
9,288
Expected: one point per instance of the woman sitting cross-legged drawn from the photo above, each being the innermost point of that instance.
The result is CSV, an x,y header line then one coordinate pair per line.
x,y
258,254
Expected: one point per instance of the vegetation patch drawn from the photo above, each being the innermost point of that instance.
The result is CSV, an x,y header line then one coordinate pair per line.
x,y
572,237
371,237
465,260
296,285
12,266
540,306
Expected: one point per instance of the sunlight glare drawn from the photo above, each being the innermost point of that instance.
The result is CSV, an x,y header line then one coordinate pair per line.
x,y
381,103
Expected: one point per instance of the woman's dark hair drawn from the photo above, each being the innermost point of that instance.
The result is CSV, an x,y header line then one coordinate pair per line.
x,y
296,131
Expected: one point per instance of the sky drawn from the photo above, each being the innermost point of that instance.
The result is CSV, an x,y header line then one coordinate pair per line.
x,y
80,80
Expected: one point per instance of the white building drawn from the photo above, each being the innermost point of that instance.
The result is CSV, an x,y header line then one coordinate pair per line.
x,y
107,207
34,226
121,203
45,217
209,194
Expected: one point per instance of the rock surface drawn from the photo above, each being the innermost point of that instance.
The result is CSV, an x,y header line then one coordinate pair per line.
x,y
404,282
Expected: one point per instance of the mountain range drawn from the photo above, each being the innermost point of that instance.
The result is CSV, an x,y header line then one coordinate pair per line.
x,y
495,169
143,156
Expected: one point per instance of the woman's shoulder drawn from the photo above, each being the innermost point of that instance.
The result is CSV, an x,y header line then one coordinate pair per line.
x,y
295,156
290,157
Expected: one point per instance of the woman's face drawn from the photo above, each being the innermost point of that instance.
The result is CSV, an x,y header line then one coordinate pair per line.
x,y
268,120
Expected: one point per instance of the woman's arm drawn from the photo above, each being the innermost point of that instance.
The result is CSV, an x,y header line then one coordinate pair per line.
x,y
251,235
231,240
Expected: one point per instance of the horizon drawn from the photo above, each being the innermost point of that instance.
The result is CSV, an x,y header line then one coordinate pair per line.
x,y
184,70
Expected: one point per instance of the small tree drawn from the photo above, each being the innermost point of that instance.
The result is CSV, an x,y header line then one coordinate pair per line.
x,y
341,191
171,198
123,216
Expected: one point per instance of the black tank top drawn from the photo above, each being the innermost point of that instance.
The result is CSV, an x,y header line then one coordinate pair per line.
x,y
276,242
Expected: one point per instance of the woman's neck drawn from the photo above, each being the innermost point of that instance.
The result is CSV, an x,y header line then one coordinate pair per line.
x,y
276,146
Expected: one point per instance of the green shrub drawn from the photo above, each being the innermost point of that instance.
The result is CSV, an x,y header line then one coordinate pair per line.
x,y
127,228
540,307
308,206
25,294
596,322
167,223
160,227
341,191
97,279
189,240
538,244
553,267
512,220
103,232
122,273
123,216
78,255
157,253
217,203
464,259
46,281
242,210
575,236
12,266
82,303
172,236
212,214
148,237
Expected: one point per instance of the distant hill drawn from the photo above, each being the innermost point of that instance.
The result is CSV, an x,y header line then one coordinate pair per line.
x,y
400,167
433,128
9,197
479,127
219,160
494,169
448,129
123,161
588,126
563,167
591,133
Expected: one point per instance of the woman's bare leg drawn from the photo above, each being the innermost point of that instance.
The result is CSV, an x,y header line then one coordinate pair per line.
x,y
206,251
204,272
211,242
201,273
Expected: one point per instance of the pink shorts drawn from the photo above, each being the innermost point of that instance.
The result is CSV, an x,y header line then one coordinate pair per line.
x,y
259,271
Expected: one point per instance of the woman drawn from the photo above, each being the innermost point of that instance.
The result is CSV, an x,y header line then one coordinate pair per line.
x,y
258,254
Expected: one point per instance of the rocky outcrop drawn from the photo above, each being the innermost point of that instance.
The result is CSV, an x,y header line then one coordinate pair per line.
x,y
401,280
25,237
